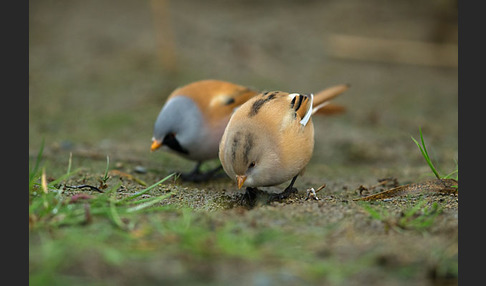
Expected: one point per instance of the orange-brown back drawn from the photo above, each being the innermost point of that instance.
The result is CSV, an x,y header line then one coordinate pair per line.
x,y
217,99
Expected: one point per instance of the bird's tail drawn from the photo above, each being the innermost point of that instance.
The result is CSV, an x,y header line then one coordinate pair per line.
x,y
323,97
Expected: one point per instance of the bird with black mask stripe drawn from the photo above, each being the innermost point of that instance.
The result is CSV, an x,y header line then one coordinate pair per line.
x,y
270,138
193,120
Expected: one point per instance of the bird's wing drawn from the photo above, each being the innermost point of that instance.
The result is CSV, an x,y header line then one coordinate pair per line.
x,y
232,98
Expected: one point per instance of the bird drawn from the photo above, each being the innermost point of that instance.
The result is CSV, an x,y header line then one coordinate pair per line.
x,y
270,138
193,119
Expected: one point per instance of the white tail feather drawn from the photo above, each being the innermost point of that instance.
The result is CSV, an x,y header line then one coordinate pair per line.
x,y
309,112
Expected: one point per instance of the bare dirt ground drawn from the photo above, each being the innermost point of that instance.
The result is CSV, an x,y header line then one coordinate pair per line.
x,y
99,72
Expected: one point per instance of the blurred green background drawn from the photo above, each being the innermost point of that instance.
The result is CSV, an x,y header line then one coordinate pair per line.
x,y
99,71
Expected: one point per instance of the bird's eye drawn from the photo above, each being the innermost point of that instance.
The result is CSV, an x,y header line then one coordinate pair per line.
x,y
252,164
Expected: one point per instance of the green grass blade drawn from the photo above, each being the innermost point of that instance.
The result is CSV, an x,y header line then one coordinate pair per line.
x,y
38,159
34,174
136,195
427,158
372,212
63,177
115,217
147,204
414,209
450,175
425,154
105,177
69,163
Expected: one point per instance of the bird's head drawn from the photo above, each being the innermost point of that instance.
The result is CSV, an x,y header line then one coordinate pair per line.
x,y
249,156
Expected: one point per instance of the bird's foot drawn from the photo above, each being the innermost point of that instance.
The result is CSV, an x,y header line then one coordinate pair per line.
x,y
283,195
249,198
197,177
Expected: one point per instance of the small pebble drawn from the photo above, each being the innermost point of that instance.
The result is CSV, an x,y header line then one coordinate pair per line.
x,y
140,170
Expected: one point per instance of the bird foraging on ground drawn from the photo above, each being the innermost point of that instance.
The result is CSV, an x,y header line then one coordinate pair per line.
x,y
270,138
193,120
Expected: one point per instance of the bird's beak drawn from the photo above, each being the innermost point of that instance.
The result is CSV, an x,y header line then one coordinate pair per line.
x,y
240,181
155,145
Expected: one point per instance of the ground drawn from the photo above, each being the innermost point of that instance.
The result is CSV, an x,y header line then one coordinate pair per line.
x,y
99,74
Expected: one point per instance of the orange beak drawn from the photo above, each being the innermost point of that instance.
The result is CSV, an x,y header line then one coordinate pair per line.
x,y
155,145
240,180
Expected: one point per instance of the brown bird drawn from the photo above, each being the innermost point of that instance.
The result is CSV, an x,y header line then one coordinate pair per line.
x,y
193,120
270,138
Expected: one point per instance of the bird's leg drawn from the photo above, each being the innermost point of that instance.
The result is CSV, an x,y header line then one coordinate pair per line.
x,y
286,193
196,176
192,175
214,171
250,196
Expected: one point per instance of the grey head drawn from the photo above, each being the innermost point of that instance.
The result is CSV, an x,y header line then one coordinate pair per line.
x,y
178,126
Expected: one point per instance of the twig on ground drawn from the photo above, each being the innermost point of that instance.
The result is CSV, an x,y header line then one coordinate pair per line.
x,y
84,186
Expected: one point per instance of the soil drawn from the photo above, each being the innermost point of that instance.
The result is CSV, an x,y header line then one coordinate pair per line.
x,y
99,73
